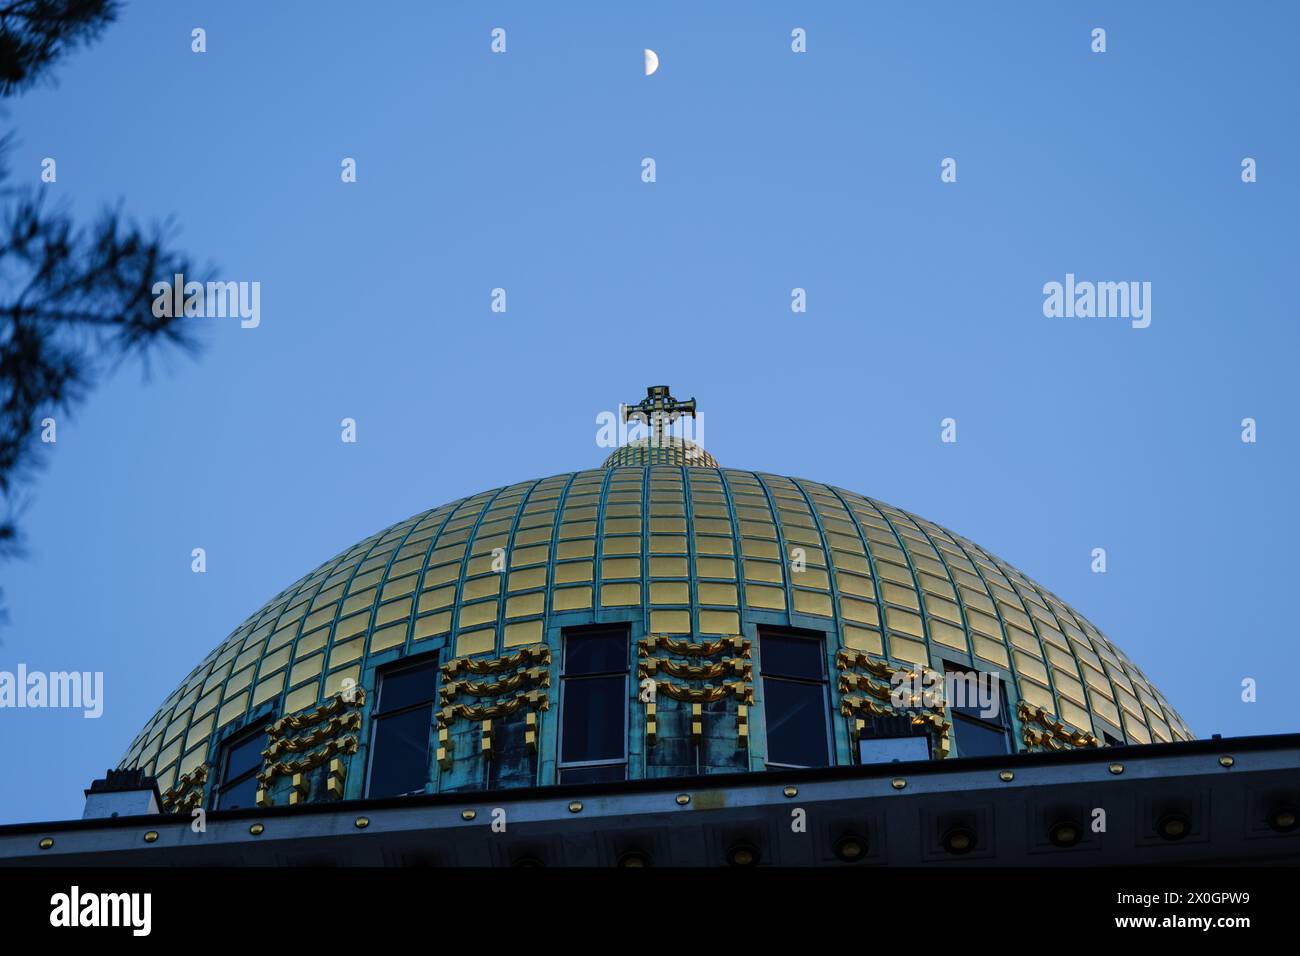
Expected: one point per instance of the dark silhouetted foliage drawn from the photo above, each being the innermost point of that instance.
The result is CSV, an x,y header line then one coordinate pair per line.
x,y
74,300
36,33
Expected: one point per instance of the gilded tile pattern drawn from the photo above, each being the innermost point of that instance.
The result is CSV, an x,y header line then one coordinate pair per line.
x,y
670,450
698,551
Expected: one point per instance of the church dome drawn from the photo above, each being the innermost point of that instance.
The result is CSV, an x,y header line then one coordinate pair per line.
x,y
692,565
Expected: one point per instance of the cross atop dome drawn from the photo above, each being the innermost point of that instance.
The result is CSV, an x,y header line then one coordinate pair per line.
x,y
657,409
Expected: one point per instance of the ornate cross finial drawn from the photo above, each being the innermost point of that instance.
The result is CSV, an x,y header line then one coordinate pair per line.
x,y
657,409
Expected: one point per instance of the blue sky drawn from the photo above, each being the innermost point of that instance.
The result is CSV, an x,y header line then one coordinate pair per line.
x,y
775,171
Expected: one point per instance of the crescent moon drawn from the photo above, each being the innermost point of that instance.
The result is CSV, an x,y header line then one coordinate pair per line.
x,y
651,62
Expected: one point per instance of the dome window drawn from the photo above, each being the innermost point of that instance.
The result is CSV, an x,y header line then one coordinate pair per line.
x,y
892,739
401,729
979,712
241,759
594,705
796,705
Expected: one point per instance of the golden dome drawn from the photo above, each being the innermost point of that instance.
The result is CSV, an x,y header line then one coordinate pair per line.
x,y
698,553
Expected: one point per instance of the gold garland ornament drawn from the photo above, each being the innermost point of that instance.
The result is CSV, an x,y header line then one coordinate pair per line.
x,y
517,688
336,724
187,792
880,698
707,672
1056,734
